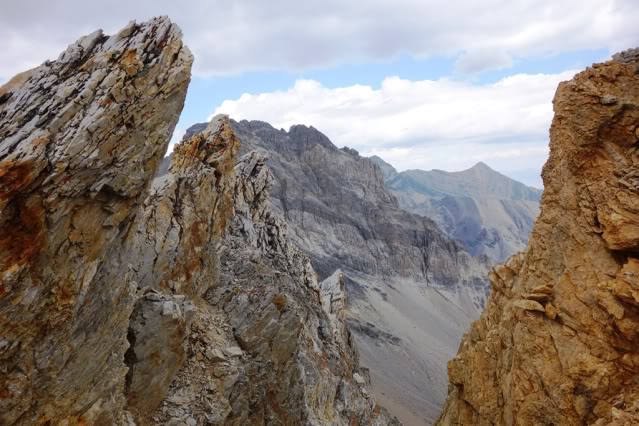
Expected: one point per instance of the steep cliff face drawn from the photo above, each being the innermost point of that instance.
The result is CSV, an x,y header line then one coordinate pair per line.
x,y
557,343
321,189
411,290
80,139
269,344
489,213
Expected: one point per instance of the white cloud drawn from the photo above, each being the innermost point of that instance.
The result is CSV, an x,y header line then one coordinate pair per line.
x,y
444,124
482,60
243,35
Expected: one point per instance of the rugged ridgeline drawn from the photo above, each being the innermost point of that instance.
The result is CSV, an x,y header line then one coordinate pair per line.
x,y
269,344
114,306
175,259
558,341
411,290
489,213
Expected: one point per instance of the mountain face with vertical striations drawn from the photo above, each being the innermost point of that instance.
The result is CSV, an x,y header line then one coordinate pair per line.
x,y
558,342
411,290
489,213
132,297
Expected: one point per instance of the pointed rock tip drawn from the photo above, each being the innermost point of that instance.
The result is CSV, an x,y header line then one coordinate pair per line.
x,y
627,56
207,145
481,166
216,122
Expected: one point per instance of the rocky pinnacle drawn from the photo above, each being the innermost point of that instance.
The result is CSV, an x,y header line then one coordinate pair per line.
x,y
80,140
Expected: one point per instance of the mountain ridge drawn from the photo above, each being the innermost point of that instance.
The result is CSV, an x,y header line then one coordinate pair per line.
x,y
488,212
481,168
410,288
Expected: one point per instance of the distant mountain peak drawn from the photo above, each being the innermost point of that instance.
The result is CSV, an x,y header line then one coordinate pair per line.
x,y
308,136
388,170
482,166
483,169
300,127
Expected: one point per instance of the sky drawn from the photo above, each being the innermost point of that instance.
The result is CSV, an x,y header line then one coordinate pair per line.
x,y
423,84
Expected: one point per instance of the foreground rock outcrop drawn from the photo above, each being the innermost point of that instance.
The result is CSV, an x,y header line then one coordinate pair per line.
x,y
80,140
558,341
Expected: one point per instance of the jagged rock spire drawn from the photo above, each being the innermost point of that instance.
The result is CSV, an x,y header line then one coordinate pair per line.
x,y
80,140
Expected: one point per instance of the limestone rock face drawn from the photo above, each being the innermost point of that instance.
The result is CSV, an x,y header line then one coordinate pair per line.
x,y
80,139
264,346
557,342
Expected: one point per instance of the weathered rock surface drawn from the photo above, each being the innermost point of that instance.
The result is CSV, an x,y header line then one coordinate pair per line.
x,y
411,290
175,260
489,213
333,296
186,214
265,346
80,139
158,328
558,342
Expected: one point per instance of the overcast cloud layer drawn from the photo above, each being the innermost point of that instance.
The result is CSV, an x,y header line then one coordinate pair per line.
x,y
426,124
243,35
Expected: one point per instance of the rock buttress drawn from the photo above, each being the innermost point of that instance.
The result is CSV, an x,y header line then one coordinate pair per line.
x,y
558,342
80,140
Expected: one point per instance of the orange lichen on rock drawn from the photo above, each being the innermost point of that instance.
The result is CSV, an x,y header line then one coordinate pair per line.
x,y
14,177
23,234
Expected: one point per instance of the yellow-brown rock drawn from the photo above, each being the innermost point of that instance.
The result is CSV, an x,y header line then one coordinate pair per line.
x,y
558,342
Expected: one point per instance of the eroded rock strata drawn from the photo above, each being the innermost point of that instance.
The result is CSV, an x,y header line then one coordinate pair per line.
x,y
558,343
114,306
269,343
